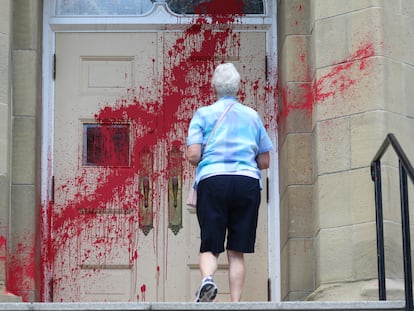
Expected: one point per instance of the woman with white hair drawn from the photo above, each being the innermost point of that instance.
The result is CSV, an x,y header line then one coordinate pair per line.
x,y
229,145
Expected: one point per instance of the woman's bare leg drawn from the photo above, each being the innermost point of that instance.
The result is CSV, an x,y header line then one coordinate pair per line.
x,y
236,274
208,264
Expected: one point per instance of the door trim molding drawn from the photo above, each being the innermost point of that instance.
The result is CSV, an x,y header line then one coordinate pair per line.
x,y
160,18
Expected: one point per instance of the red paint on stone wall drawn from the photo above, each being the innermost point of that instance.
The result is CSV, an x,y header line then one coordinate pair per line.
x,y
21,270
340,78
337,82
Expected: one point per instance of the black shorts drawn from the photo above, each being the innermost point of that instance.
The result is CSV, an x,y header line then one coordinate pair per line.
x,y
228,204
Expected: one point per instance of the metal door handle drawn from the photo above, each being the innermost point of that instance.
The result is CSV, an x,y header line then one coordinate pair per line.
x,y
145,186
175,190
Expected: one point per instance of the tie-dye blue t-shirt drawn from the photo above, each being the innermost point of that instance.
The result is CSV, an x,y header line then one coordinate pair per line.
x,y
236,142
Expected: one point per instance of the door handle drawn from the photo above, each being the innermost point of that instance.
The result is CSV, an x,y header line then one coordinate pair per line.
x,y
175,190
146,190
175,205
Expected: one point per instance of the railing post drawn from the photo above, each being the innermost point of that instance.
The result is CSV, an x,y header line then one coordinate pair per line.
x,y
376,177
405,225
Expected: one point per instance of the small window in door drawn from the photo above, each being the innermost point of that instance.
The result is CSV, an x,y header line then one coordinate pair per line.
x,y
141,7
103,7
223,7
106,145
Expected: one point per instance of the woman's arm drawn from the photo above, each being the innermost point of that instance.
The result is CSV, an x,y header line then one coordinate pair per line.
x,y
194,154
263,160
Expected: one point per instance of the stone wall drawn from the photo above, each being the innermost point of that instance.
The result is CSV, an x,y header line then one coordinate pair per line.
x,y
295,149
5,121
19,164
345,70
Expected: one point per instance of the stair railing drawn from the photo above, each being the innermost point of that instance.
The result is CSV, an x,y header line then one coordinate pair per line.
x,y
405,168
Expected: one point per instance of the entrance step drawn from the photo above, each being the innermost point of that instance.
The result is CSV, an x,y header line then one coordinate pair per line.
x,y
251,306
7,297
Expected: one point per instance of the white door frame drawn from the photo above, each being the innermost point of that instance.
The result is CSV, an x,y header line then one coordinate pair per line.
x,y
160,18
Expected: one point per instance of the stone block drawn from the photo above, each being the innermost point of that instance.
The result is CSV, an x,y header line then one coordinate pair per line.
x,y
4,68
408,8
330,42
403,129
284,271
408,89
399,37
300,212
23,220
298,296
295,56
23,238
4,138
5,13
331,146
284,217
394,268
330,8
296,156
343,199
391,193
4,200
24,151
365,29
293,15
334,255
25,88
353,87
300,265
394,87
295,113
27,24
368,131
365,251
394,7
4,230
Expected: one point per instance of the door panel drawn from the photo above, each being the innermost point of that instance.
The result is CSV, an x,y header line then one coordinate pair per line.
x,y
190,65
120,231
98,230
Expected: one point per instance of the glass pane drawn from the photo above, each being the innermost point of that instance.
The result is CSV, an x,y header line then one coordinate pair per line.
x,y
140,7
223,7
102,7
105,144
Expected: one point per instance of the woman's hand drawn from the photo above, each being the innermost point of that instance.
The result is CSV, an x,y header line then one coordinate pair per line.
x,y
263,160
194,154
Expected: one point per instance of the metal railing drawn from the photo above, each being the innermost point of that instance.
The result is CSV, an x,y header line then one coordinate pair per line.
x,y
405,168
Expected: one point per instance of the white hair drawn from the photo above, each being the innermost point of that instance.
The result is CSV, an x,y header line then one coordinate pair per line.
x,y
226,80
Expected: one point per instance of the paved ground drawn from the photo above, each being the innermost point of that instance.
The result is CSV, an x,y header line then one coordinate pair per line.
x,y
260,306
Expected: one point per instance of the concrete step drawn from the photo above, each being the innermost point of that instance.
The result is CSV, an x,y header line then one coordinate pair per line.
x,y
165,306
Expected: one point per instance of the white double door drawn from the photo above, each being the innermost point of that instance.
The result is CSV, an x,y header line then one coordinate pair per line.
x,y
120,230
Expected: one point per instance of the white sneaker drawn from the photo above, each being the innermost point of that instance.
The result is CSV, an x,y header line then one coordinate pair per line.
x,y
207,291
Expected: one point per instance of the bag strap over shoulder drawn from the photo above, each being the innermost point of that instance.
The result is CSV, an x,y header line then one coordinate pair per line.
x,y
217,123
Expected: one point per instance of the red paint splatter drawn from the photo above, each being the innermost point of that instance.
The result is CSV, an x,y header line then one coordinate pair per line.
x,y
339,80
21,270
143,290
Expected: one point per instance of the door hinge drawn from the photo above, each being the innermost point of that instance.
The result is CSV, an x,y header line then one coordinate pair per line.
x,y
267,189
54,67
52,189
